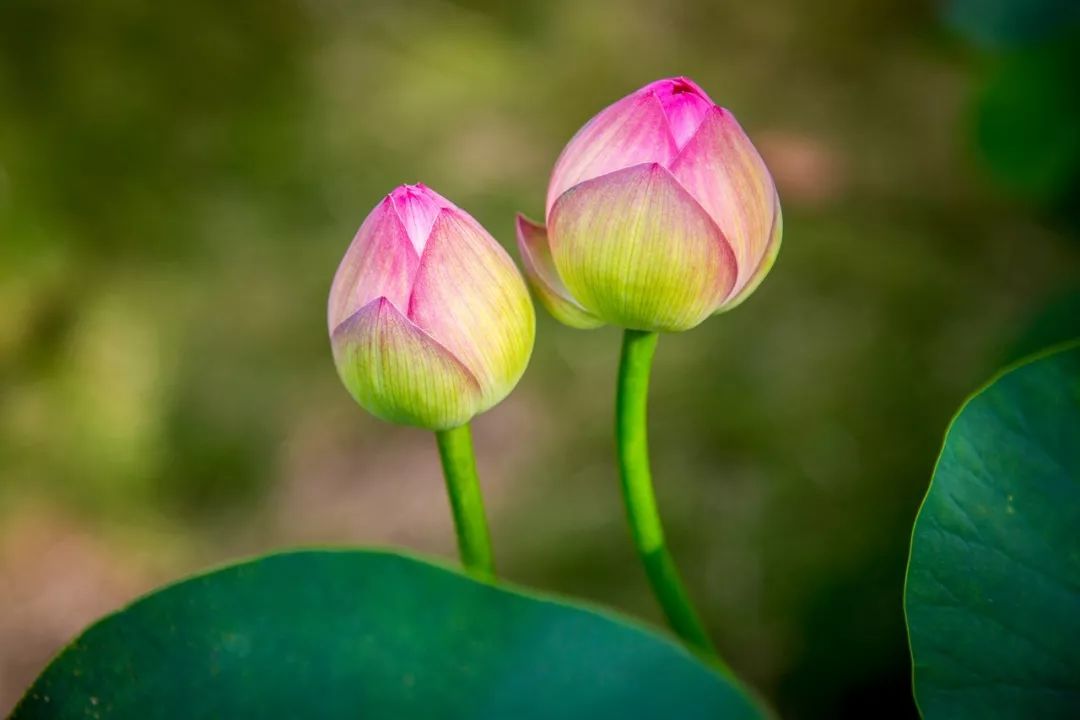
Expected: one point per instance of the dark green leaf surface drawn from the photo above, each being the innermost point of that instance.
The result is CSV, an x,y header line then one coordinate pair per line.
x,y
358,634
993,586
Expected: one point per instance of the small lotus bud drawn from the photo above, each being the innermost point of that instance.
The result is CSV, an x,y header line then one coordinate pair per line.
x,y
660,213
430,321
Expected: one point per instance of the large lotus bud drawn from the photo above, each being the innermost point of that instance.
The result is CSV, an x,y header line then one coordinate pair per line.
x,y
660,212
429,318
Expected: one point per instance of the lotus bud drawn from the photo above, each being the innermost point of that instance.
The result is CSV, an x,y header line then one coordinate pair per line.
x,y
430,321
660,213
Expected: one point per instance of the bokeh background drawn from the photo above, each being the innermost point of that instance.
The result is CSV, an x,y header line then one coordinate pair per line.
x,y
178,182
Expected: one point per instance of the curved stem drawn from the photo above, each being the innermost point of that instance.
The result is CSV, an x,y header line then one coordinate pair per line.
x,y
632,437
466,500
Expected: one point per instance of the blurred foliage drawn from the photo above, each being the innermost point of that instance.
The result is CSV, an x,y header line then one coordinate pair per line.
x,y
1027,121
178,183
1003,23
1056,323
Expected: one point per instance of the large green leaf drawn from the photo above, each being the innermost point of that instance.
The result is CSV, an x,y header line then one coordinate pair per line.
x,y
993,585
358,634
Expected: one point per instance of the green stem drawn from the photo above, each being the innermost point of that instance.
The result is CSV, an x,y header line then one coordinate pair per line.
x,y
466,500
631,434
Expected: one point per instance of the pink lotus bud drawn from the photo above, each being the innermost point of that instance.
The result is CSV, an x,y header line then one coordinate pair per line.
x,y
660,212
429,319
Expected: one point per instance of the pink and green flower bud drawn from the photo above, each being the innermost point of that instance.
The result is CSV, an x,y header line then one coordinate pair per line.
x,y
430,321
660,212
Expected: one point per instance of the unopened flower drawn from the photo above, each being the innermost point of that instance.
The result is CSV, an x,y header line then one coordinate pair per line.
x,y
430,321
660,212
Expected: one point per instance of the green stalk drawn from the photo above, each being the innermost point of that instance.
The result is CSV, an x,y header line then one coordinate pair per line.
x,y
466,501
648,533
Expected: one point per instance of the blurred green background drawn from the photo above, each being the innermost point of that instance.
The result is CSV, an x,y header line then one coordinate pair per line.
x,y
178,182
